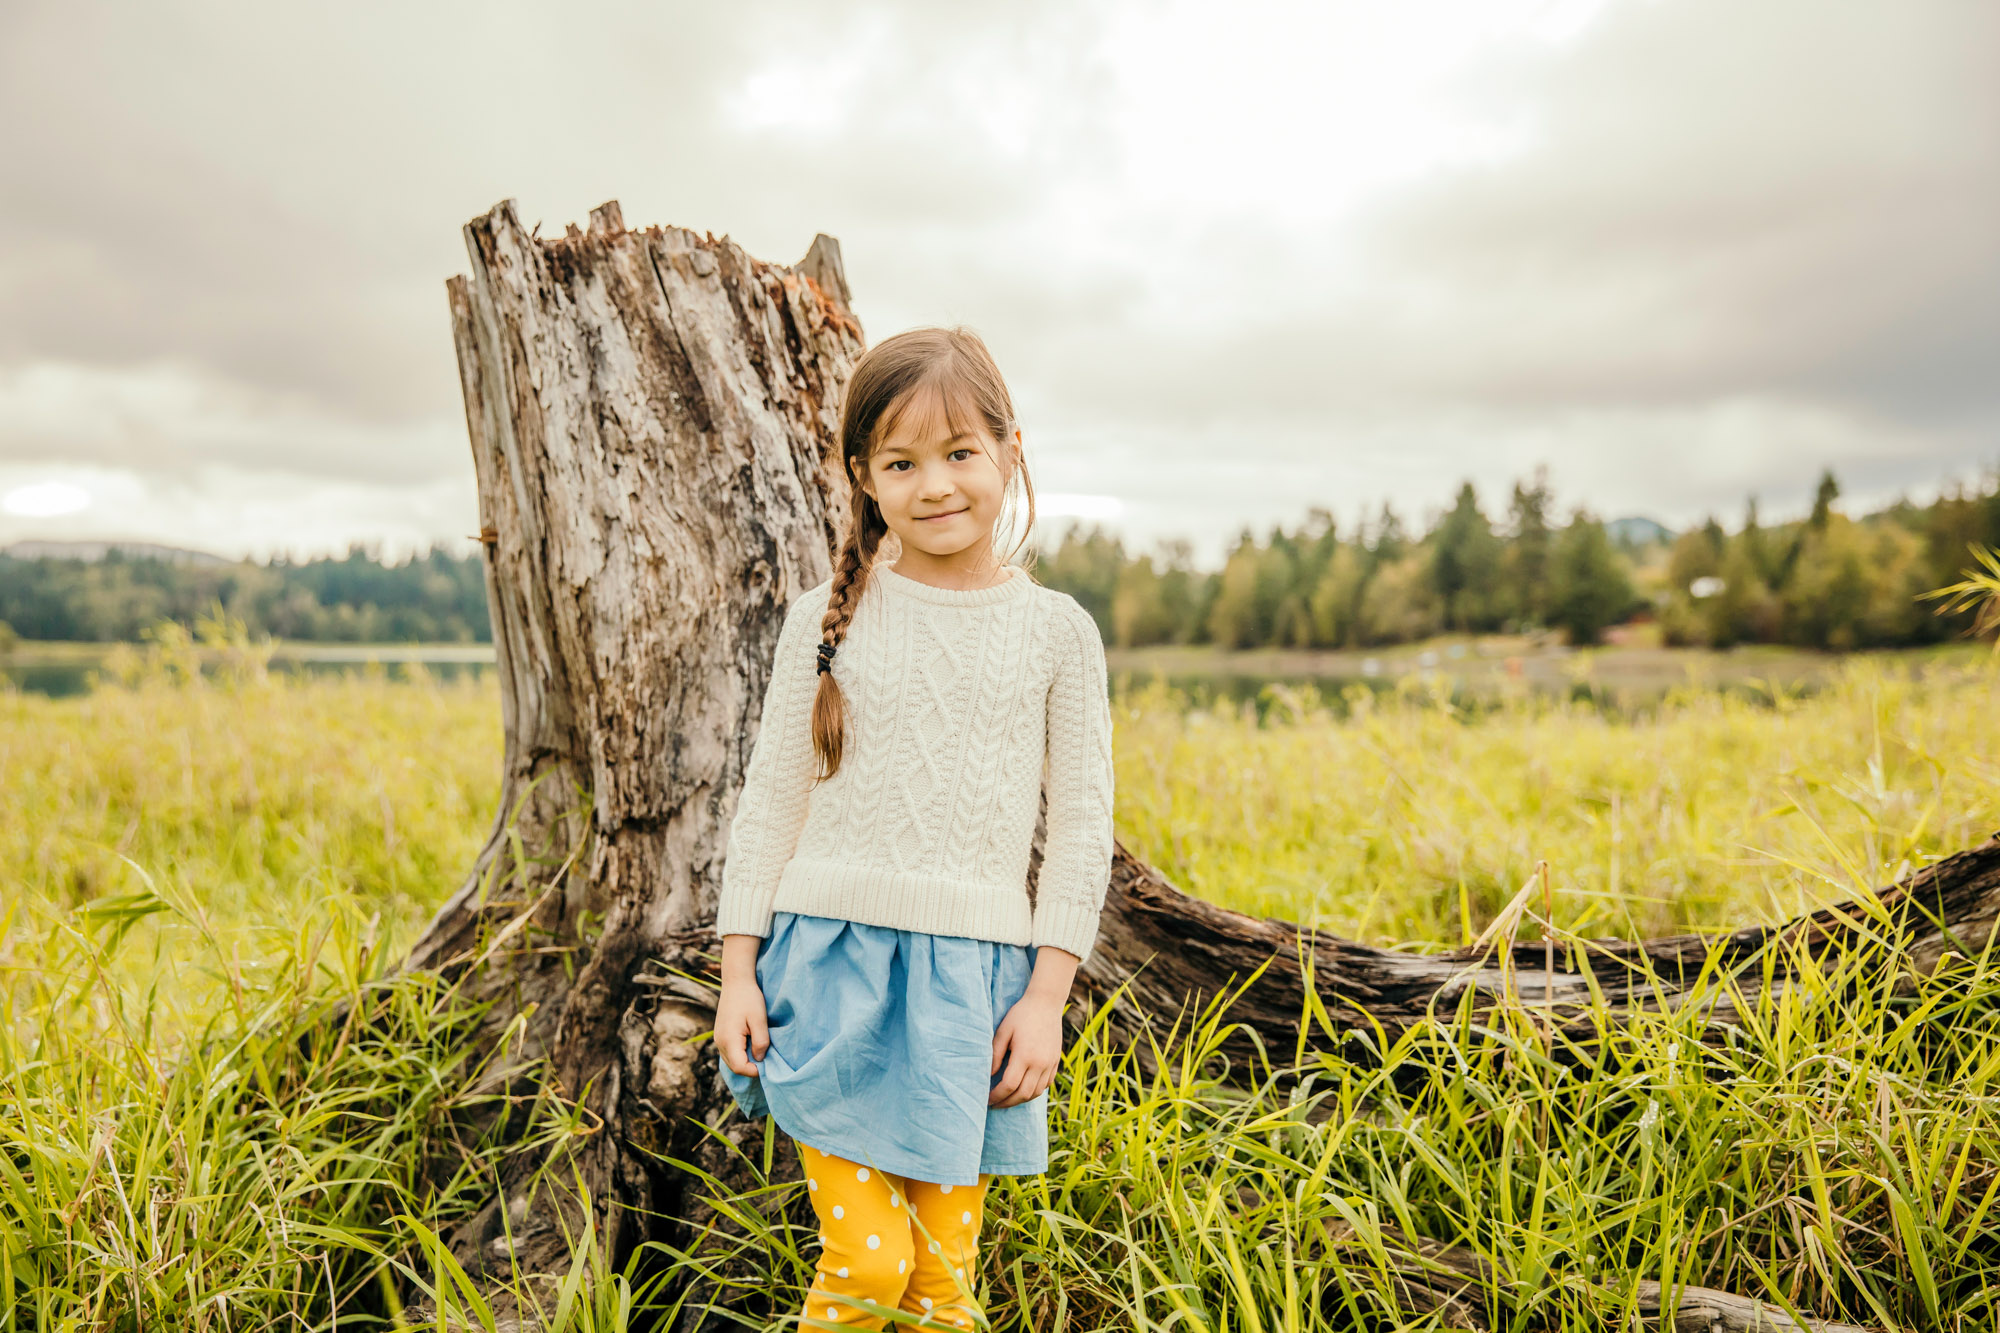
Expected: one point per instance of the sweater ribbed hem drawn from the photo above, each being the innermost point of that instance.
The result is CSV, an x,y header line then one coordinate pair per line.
x,y
906,900
740,914
1071,927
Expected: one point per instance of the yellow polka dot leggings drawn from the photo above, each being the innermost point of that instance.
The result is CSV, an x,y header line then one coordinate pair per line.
x,y
904,1244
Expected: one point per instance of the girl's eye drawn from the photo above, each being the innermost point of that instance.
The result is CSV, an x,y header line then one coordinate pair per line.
x,y
966,452
896,463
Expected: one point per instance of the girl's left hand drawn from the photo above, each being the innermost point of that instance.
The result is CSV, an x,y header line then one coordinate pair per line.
x,y
1029,1043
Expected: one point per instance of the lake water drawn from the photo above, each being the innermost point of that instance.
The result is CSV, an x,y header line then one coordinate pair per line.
x,y
69,672
73,673
1471,677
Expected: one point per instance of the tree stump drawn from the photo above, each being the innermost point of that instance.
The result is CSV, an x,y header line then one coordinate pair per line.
x,y
653,417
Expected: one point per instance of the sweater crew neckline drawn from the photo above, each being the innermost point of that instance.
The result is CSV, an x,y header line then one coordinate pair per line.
x,y
902,585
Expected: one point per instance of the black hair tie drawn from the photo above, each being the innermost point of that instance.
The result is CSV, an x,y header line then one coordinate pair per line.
x,y
825,658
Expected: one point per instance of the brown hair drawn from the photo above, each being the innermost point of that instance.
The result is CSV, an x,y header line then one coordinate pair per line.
x,y
954,365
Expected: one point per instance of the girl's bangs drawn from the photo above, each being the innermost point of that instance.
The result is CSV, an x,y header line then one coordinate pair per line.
x,y
940,406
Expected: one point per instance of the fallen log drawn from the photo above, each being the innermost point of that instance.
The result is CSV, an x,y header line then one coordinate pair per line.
x,y
1433,1279
653,422
1164,947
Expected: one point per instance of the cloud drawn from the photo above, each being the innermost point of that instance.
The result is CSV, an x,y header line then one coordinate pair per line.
x,y
166,453
1236,261
1810,204
253,512
170,419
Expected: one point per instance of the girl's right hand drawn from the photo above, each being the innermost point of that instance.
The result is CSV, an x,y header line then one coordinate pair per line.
x,y
739,1021
740,1028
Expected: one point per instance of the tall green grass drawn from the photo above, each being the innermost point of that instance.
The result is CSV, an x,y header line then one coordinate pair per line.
x,y
257,803
211,1106
234,1175
215,1113
1406,819
1839,1155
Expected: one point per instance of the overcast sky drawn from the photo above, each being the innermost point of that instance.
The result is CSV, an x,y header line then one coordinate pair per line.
x,y
1237,260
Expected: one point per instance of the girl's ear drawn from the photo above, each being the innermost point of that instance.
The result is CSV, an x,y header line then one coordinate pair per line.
x,y
857,470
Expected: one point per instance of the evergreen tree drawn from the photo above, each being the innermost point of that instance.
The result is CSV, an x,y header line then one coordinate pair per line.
x,y
1335,605
1756,547
1184,592
1826,602
1745,611
1815,525
1138,610
1232,616
1398,602
1319,548
1695,554
1389,541
1960,519
1591,588
1086,566
1465,565
1280,599
1898,576
1528,550
1829,491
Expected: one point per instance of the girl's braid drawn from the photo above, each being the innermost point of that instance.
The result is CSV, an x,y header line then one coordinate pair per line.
x,y
850,578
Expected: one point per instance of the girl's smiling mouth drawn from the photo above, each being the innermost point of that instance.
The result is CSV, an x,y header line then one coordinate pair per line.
x,y
932,518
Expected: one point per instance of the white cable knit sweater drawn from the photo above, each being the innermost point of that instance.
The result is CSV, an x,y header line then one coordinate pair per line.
x,y
961,705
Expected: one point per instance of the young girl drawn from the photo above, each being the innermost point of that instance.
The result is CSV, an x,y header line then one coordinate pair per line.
x,y
890,994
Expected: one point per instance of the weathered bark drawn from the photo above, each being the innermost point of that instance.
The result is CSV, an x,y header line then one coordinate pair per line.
x,y
653,417
653,423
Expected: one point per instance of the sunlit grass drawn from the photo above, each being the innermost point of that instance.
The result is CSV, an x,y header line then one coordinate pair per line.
x,y
1406,821
259,805
1840,1155
202,882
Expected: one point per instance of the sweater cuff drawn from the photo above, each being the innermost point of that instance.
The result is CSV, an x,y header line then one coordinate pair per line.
x,y
735,916
1070,926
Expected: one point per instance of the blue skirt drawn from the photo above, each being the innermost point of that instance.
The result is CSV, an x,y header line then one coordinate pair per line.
x,y
881,1043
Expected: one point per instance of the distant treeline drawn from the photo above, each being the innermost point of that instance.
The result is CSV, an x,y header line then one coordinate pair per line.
x,y
1827,581
357,598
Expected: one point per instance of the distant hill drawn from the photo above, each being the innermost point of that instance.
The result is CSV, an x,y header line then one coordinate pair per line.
x,y
1631,532
178,555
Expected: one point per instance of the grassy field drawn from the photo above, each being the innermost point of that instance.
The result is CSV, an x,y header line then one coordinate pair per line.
x,y
1405,819
198,873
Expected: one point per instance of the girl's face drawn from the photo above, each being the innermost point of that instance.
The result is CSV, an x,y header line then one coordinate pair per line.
x,y
939,493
